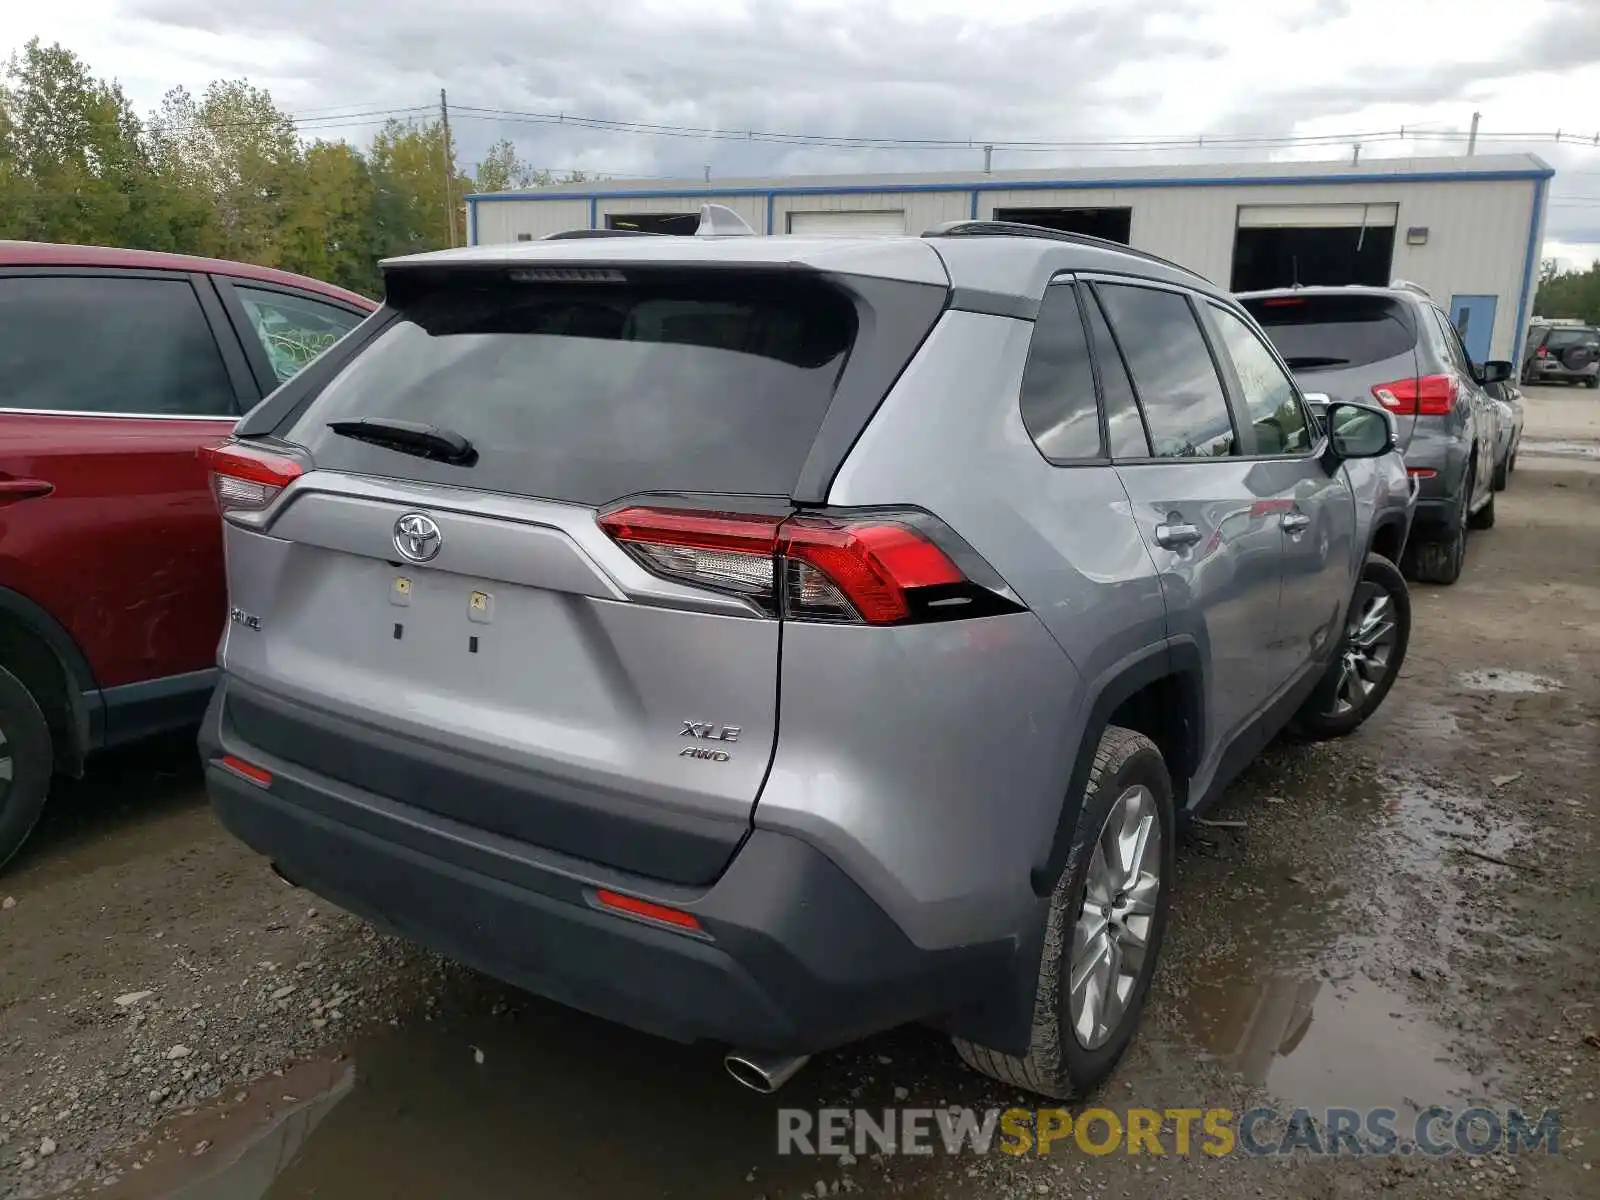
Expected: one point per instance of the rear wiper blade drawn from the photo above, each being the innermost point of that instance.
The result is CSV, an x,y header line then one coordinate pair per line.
x,y
410,437
1314,360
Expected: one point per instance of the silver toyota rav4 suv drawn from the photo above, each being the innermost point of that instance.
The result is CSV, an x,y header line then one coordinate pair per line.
x,y
771,641
1396,347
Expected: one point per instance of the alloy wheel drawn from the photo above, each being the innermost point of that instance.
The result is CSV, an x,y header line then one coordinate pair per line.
x,y
1368,648
1112,934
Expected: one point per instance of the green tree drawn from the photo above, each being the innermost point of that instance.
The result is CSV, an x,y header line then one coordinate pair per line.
x,y
331,233
71,163
1571,294
408,177
237,150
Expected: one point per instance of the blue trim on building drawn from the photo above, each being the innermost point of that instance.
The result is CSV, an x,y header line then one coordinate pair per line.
x,y
972,207
472,220
771,198
1029,185
1530,264
594,212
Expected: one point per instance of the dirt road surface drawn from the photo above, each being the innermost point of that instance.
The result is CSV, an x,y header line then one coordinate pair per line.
x,y
1404,919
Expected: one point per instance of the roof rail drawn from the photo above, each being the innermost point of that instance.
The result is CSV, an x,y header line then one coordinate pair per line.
x,y
1405,285
1020,229
573,234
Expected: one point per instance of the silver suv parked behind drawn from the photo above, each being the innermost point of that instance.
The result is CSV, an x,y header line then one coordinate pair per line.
x,y
772,641
1395,346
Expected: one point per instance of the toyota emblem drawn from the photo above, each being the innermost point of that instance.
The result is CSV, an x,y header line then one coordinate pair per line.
x,y
417,537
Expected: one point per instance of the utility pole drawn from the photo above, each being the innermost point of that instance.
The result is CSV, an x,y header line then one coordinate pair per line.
x,y
449,170
988,160
1355,155
1472,138
708,172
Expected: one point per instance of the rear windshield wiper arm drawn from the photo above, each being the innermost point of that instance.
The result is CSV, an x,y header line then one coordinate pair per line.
x,y
410,437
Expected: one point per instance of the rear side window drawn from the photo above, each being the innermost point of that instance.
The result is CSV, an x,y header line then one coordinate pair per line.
x,y
1563,339
292,329
1333,332
1452,342
109,344
1058,401
588,392
1124,425
1177,382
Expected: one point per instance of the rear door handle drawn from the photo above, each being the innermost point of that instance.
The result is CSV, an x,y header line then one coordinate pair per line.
x,y
24,489
1295,522
1174,536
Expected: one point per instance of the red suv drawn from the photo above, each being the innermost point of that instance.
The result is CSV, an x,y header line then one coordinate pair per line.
x,y
115,366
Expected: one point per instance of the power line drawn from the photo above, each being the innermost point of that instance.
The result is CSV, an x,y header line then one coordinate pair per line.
x,y
1136,143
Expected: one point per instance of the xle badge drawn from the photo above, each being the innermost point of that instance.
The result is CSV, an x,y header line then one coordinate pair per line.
x,y
701,731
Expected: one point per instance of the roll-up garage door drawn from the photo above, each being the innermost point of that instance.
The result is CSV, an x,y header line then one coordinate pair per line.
x,y
848,224
1317,216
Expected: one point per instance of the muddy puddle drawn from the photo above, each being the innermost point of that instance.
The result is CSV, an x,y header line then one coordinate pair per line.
x,y
1514,683
1312,990
1559,448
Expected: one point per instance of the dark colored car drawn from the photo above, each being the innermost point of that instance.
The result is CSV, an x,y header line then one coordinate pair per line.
x,y
115,367
1396,346
1562,354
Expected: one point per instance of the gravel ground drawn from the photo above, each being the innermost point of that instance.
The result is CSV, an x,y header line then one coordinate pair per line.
x,y
1404,918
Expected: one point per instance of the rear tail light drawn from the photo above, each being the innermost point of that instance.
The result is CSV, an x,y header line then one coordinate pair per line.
x,y
1423,396
245,478
872,568
1543,352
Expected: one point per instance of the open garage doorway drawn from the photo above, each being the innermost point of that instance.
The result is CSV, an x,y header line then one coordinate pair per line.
x,y
681,224
1112,224
1280,245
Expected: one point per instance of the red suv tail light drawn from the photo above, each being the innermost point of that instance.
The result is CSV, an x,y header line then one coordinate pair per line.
x,y
1543,352
1423,396
873,568
246,478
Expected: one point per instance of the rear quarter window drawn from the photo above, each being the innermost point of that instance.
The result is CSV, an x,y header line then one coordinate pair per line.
x,y
1334,333
589,392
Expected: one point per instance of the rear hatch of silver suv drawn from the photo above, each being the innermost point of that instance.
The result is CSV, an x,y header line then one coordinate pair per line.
x,y
1358,347
439,596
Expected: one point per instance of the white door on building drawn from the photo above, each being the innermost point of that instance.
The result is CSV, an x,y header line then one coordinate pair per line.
x,y
848,224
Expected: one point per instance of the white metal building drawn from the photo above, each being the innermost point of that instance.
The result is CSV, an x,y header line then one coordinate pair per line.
x,y
1468,229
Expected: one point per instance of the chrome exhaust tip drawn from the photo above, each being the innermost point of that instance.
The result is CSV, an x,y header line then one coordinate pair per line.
x,y
764,1073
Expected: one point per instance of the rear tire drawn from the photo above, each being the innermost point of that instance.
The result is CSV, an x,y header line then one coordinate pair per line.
x,y
1060,1061
1502,473
1334,710
1484,517
26,763
1440,559
1592,382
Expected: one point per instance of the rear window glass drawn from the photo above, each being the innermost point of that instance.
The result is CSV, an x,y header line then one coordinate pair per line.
x,y
1315,333
1561,338
588,392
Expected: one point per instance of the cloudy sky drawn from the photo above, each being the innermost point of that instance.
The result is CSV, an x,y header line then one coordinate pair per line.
x,y
999,70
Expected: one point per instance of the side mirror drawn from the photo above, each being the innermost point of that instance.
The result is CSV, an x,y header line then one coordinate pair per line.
x,y
1494,371
1357,431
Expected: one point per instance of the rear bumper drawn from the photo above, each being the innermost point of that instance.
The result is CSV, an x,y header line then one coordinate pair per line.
x,y
793,956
